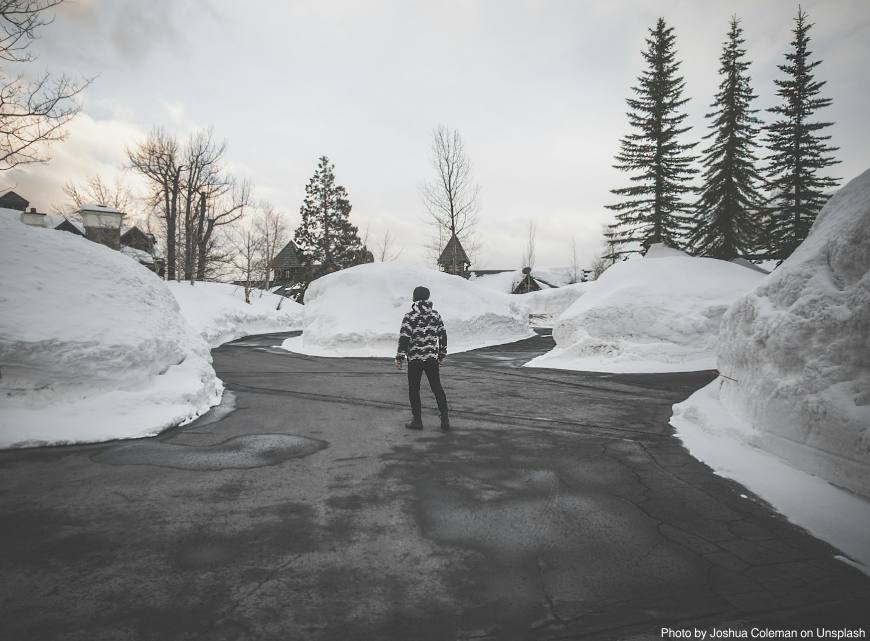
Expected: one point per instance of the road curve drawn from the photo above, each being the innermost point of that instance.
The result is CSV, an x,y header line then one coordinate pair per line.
x,y
560,507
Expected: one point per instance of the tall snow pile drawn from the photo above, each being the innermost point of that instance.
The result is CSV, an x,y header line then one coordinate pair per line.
x,y
656,314
358,311
92,344
553,301
218,311
796,351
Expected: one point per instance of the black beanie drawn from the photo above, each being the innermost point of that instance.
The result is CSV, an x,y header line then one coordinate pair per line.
x,y
421,293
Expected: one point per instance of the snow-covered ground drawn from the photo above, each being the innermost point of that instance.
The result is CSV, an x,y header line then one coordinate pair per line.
x,y
358,311
656,314
93,346
790,415
218,311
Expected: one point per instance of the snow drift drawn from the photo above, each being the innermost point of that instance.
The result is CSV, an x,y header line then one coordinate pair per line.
x,y
358,311
656,314
218,311
796,353
552,302
92,344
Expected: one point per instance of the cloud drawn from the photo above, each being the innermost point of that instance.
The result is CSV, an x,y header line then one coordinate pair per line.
x,y
92,147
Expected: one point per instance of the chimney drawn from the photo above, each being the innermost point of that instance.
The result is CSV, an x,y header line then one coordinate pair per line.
x,y
33,218
102,224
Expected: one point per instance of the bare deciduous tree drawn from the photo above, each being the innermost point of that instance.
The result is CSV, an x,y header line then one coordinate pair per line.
x,y
246,250
96,190
575,273
33,112
274,234
222,206
385,250
529,250
193,195
157,159
451,198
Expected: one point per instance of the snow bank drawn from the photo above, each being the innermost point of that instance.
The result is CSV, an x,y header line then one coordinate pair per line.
x,y
552,302
796,351
656,314
92,344
218,311
503,282
358,311
714,435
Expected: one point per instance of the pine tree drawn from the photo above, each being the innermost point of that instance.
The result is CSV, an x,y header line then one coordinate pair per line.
x,y
326,236
798,152
728,208
653,210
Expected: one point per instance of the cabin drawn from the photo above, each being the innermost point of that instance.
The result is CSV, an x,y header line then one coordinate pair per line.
x,y
11,200
454,260
528,283
138,239
287,266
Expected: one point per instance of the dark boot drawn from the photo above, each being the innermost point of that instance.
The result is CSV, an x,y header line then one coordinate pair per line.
x,y
415,424
445,423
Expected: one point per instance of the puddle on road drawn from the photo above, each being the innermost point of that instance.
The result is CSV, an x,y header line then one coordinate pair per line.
x,y
239,452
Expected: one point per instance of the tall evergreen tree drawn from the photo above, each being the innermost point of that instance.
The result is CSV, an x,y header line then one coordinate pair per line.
x,y
326,236
653,209
798,151
728,208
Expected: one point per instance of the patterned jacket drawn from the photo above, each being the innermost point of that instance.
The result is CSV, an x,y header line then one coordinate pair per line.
x,y
422,335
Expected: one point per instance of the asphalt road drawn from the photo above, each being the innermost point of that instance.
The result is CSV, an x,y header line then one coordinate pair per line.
x,y
559,507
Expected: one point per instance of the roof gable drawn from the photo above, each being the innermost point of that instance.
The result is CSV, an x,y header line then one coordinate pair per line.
x,y
11,200
290,255
67,225
453,252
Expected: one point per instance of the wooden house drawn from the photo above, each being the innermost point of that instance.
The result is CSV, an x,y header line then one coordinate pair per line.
x,y
287,266
11,200
453,259
528,283
138,239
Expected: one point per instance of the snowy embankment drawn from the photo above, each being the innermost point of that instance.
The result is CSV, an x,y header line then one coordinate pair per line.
x,y
358,311
794,355
553,301
218,311
92,345
660,313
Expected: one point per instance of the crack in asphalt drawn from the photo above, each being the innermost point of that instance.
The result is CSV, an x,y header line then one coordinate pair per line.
x,y
237,602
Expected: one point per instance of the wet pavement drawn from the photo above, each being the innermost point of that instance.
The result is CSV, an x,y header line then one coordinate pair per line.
x,y
559,507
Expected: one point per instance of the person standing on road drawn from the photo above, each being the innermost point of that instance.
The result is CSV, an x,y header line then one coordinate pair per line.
x,y
423,340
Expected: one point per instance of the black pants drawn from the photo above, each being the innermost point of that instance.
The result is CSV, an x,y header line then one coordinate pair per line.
x,y
415,373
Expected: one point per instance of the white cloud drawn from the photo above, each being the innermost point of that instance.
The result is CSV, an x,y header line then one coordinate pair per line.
x,y
92,147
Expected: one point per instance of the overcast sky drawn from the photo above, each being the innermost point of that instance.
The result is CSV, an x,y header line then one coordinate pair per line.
x,y
536,88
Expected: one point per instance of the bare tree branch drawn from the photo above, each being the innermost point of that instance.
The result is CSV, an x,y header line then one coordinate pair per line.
x,y
32,112
452,197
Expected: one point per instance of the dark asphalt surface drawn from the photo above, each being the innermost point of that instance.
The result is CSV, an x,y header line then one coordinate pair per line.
x,y
560,507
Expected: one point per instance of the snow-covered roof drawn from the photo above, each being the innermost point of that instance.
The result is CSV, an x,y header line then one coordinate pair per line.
x,y
100,208
137,254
